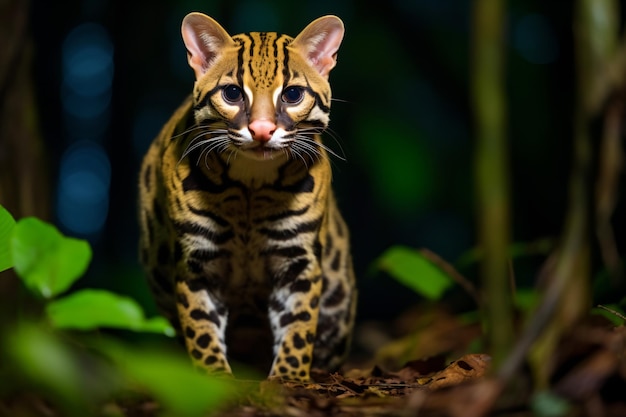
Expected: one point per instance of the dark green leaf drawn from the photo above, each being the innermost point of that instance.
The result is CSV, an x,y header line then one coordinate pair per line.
x,y
611,312
414,270
90,309
47,261
526,299
7,222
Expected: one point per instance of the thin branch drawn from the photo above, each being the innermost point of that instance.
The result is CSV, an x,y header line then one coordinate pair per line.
x,y
492,173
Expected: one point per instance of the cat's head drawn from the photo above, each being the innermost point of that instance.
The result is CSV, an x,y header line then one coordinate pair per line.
x,y
262,93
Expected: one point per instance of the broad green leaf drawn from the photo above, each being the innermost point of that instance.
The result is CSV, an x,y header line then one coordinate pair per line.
x,y
90,309
7,222
173,382
411,268
48,262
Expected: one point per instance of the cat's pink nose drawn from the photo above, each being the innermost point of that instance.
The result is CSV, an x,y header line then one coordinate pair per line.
x,y
262,130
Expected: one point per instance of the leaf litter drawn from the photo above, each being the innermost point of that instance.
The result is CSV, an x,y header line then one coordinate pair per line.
x,y
588,379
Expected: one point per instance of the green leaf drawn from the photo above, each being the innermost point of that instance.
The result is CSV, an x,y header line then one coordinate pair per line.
x,y
48,262
7,223
43,361
411,268
90,309
611,312
526,299
172,380
547,404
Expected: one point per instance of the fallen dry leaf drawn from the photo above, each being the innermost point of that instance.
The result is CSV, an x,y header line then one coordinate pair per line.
x,y
469,367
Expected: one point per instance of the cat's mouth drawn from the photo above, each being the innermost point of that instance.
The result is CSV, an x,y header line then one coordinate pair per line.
x,y
261,151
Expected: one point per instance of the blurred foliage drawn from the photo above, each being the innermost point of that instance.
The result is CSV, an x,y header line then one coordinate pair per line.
x,y
7,223
76,372
47,261
415,271
546,404
563,296
615,313
91,309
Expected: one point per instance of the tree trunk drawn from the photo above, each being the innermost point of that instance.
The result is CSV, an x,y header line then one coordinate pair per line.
x,y
24,188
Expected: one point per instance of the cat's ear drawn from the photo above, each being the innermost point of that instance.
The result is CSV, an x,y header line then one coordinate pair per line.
x,y
204,39
319,43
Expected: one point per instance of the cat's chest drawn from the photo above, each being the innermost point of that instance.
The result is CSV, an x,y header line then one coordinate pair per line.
x,y
246,196
255,174
257,222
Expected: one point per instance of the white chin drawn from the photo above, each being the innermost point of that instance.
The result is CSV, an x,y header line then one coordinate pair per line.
x,y
262,153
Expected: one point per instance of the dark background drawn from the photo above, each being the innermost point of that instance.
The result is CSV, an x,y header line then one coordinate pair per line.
x,y
108,74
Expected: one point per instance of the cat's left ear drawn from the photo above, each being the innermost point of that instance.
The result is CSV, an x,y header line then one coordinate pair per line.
x,y
319,43
204,39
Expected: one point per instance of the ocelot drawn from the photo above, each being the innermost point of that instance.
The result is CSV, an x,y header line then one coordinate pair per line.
x,y
241,237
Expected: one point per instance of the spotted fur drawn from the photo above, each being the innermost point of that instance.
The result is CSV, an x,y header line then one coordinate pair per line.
x,y
245,249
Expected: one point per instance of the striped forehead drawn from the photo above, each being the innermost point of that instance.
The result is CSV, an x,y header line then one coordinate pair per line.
x,y
262,58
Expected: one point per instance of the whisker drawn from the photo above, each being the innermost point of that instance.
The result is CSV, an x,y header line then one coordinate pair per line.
x,y
204,153
215,127
189,130
310,152
209,140
295,153
206,158
195,146
314,143
232,152
337,140
212,142
334,135
310,147
219,144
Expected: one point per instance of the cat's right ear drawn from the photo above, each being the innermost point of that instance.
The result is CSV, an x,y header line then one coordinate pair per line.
x,y
204,39
319,42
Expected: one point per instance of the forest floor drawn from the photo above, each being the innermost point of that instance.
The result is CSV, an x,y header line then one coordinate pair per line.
x,y
587,377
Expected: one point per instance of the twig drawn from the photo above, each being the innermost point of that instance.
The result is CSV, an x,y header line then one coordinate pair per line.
x,y
610,310
607,185
453,273
491,165
16,45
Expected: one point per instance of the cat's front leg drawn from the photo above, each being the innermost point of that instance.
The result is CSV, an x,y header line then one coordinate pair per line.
x,y
294,312
203,321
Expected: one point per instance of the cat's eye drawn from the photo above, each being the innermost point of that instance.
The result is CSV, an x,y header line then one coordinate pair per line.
x,y
232,93
292,95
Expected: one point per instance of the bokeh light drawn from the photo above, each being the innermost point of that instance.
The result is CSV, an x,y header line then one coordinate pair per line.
x,y
83,195
86,90
87,71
